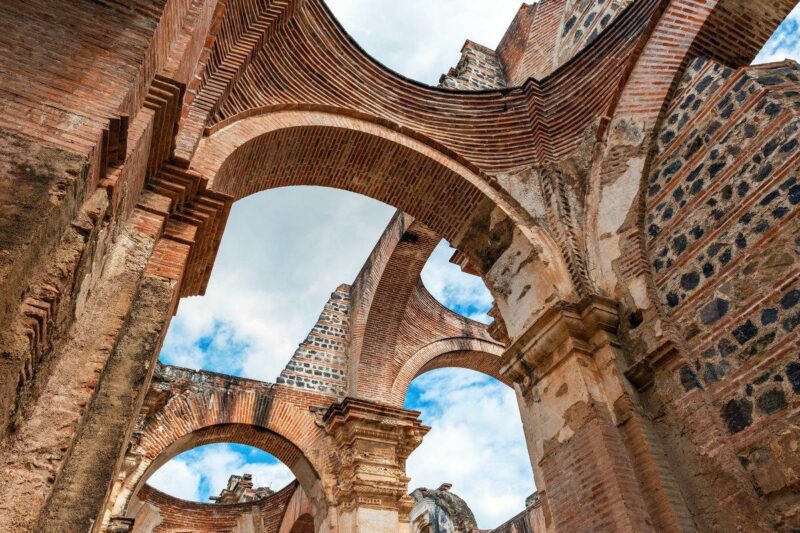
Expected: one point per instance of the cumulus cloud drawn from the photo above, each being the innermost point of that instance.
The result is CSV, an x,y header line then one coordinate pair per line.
x,y
284,252
476,443
202,472
785,43
422,39
463,293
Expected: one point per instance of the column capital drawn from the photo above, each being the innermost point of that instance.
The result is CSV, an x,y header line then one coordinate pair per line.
x,y
563,327
373,442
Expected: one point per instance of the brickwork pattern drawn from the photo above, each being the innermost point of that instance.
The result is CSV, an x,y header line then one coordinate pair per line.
x,y
320,362
178,516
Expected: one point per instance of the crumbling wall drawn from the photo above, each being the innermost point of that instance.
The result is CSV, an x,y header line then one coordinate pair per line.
x,y
320,362
479,68
724,243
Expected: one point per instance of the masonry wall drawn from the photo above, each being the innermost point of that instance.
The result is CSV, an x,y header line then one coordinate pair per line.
x,y
161,513
724,242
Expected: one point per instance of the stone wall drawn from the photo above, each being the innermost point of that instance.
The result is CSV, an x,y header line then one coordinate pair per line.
x,y
320,362
721,222
479,68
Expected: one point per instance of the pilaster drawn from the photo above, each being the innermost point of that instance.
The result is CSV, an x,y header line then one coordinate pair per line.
x,y
590,446
373,442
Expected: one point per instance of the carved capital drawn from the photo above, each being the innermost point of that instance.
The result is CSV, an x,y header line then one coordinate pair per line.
x,y
561,329
373,442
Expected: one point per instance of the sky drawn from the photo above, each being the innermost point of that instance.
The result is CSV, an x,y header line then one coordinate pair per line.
x,y
285,250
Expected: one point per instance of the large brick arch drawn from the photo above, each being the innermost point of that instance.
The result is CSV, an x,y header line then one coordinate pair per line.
x,y
264,421
390,164
473,354
337,148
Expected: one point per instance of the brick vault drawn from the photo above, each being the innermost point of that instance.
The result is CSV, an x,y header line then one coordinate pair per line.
x,y
622,179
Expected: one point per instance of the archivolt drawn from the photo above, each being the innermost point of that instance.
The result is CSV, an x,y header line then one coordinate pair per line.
x,y
473,354
246,417
381,160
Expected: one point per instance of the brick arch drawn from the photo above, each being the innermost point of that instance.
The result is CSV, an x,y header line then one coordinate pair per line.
x,y
341,149
473,354
298,516
264,421
157,512
387,163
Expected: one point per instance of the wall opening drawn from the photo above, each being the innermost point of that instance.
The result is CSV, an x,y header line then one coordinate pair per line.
x,y
203,473
460,292
284,251
784,43
476,442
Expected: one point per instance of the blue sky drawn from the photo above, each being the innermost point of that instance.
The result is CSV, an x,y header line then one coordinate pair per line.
x,y
285,250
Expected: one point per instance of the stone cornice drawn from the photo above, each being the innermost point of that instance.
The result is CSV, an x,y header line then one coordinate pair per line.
x,y
533,353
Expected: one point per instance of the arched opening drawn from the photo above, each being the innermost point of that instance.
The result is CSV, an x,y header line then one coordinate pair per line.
x,y
203,474
283,253
434,185
459,291
304,524
784,43
476,442
216,487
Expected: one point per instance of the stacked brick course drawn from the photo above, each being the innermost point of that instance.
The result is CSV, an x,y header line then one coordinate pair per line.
x,y
320,362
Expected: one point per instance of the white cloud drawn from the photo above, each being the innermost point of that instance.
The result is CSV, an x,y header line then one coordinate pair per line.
x,y
785,43
283,253
476,443
197,474
178,478
463,293
422,39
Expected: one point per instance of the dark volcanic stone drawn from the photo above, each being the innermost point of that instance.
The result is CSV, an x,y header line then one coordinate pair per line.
x,y
745,332
714,310
738,414
771,401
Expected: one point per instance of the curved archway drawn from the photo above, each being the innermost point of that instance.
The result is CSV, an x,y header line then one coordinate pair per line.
x,y
298,517
473,354
259,419
157,511
448,195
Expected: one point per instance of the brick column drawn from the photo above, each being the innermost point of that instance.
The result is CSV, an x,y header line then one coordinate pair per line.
x,y
373,442
564,369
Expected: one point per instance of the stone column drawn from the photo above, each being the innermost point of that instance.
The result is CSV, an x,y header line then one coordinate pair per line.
x,y
372,442
566,367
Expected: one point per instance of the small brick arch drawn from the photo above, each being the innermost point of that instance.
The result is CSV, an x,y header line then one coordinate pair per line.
x,y
264,421
298,516
473,354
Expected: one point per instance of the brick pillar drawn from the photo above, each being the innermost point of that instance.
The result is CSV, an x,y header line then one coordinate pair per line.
x,y
565,370
373,442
